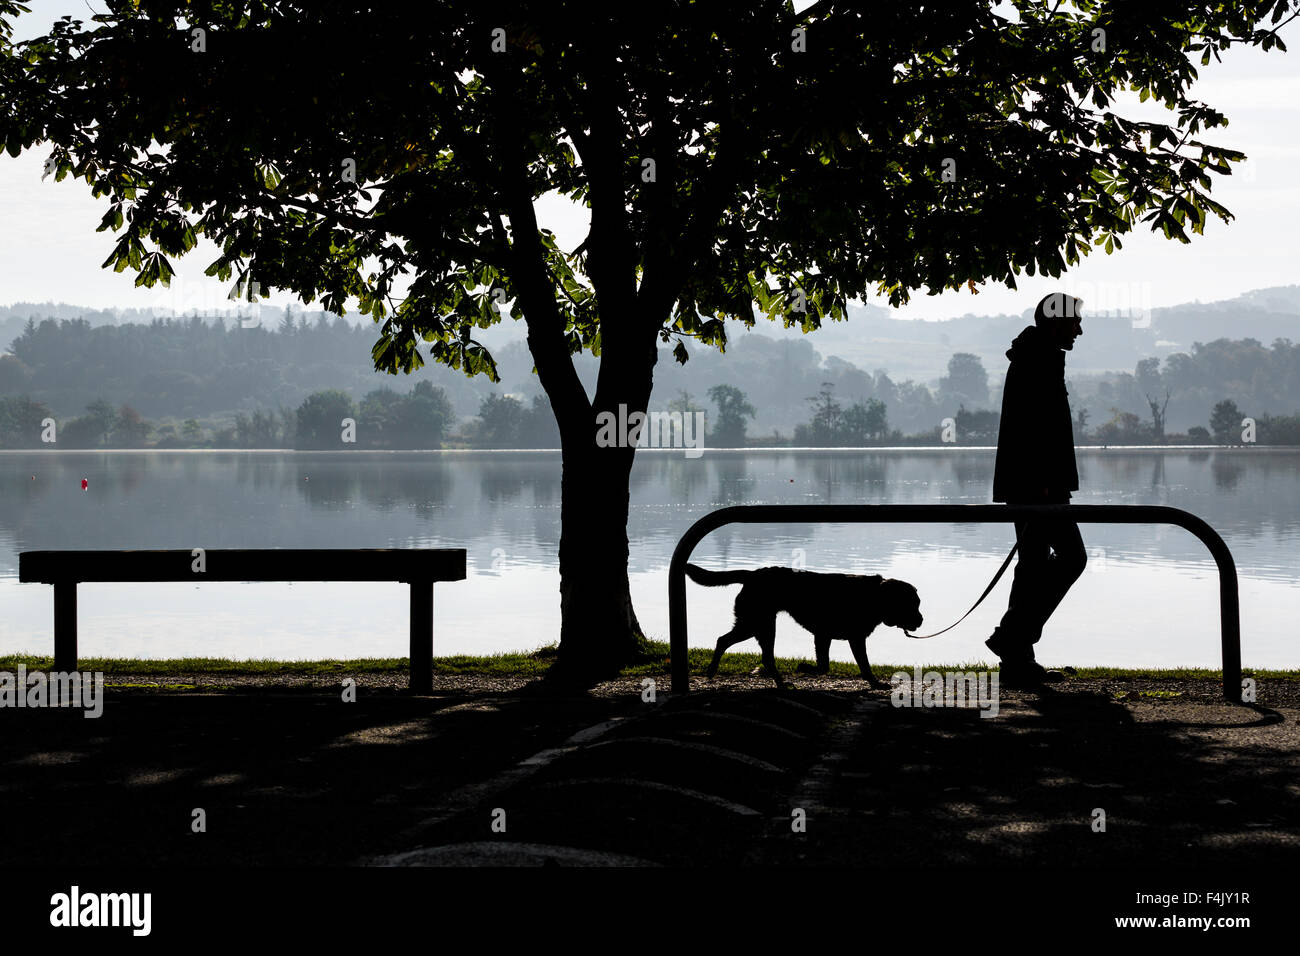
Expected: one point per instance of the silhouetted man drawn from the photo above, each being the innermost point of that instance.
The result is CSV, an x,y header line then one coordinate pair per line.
x,y
1035,465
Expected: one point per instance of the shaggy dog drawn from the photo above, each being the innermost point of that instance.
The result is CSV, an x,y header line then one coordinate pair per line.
x,y
833,606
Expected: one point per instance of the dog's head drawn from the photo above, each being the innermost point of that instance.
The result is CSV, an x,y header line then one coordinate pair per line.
x,y
900,605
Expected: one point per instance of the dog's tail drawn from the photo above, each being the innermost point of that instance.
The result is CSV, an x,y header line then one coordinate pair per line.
x,y
713,579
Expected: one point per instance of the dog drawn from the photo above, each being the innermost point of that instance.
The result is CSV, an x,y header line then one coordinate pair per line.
x,y
832,606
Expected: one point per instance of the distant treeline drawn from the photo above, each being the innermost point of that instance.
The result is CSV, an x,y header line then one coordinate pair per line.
x,y
328,419
174,369
865,424
188,383
780,377
423,419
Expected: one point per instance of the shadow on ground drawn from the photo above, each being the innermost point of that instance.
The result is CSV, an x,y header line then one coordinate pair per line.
x,y
717,777
282,778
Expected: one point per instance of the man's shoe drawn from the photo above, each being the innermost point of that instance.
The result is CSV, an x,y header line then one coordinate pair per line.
x,y
1027,675
1008,649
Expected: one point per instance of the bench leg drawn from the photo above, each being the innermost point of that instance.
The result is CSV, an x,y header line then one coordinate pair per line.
x,y
422,637
65,626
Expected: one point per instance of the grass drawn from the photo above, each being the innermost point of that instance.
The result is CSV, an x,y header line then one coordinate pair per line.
x,y
653,661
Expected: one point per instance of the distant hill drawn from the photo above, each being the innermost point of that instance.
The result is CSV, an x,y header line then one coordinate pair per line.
x,y
780,368
872,338
14,317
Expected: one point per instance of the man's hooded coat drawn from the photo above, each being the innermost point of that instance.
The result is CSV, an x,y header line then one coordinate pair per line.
x,y
1036,434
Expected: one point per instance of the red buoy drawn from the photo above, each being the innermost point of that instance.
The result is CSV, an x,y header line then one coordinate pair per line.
x,y
84,484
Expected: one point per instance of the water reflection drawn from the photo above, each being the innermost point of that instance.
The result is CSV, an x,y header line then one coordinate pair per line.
x,y
504,508
1227,472
231,499
734,485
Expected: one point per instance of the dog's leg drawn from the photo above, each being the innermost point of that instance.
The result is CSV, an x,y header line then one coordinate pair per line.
x,y
733,636
767,641
822,644
858,645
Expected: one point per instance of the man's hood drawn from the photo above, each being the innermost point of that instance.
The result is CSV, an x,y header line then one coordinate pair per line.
x,y
1034,345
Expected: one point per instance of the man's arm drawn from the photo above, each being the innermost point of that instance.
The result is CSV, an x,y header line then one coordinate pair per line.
x,y
1036,422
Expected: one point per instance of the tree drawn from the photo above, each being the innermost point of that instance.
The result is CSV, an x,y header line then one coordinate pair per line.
x,y
1225,421
500,417
684,404
289,427
1279,429
537,428
825,426
733,409
1147,374
966,382
100,420
1158,415
256,431
1124,428
387,419
863,422
20,422
286,322
379,418
426,417
876,421
978,427
14,375
731,154
915,406
320,419
192,431
129,429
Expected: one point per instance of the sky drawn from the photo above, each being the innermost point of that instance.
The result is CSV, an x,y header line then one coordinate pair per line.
x,y
54,254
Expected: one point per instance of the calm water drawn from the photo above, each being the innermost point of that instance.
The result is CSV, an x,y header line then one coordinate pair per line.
x,y
1149,596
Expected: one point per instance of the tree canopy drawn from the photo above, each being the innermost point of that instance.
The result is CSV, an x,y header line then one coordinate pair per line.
x,y
804,154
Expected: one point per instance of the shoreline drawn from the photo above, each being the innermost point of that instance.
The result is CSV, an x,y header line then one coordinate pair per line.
x,y
535,663
509,674
1253,448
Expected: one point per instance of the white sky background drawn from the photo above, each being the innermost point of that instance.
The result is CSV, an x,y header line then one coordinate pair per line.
x,y
49,249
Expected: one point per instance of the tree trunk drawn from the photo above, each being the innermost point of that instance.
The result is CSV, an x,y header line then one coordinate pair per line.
x,y
599,632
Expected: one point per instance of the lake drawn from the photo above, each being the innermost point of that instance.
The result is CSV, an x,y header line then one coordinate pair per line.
x,y
1148,598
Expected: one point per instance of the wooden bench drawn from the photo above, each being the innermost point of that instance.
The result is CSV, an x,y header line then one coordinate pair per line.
x,y
420,567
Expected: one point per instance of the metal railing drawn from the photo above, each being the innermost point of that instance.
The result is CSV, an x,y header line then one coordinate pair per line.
x,y
1229,609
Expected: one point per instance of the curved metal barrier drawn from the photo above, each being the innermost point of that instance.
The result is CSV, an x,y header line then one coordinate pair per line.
x,y
1229,609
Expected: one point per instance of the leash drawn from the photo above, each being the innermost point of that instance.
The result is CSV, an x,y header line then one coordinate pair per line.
x,y
992,584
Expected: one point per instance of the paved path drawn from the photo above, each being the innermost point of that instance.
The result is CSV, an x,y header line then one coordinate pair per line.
x,y
741,775
718,777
